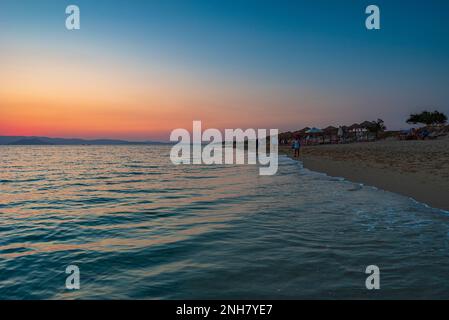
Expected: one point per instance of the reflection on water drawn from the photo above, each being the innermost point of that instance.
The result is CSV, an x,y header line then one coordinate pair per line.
x,y
140,227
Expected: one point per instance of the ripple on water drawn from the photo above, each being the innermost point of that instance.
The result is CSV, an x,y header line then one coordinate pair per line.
x,y
139,227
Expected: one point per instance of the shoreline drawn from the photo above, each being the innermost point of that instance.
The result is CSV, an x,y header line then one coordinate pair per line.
x,y
416,169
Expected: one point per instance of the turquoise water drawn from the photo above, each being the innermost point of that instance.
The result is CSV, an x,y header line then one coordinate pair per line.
x,y
139,227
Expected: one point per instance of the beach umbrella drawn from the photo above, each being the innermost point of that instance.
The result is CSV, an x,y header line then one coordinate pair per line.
x,y
366,124
330,130
354,127
314,130
303,131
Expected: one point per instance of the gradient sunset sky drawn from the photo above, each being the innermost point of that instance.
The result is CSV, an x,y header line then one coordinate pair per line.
x,y
139,69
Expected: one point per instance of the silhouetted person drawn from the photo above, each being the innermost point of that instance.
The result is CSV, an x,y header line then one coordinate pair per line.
x,y
296,147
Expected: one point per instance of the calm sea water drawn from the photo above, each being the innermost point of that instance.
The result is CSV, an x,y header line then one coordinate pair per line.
x,y
139,227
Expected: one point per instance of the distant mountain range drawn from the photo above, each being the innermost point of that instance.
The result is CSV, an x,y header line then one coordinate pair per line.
x,y
36,141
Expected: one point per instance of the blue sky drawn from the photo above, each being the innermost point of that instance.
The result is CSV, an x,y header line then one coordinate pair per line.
x,y
317,56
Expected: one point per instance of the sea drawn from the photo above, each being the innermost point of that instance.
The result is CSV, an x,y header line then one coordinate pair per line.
x,y
138,227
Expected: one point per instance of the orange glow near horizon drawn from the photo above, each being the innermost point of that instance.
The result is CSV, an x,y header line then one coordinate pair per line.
x,y
138,72
108,98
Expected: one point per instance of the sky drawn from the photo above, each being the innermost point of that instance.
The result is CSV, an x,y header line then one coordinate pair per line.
x,y
139,69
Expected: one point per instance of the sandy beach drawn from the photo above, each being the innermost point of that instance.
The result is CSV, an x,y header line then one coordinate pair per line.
x,y
418,169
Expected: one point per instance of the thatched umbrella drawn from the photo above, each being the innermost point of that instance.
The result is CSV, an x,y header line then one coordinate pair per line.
x,y
354,127
285,137
300,133
366,124
303,131
330,132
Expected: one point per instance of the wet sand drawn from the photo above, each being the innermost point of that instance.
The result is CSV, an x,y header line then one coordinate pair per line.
x,y
418,169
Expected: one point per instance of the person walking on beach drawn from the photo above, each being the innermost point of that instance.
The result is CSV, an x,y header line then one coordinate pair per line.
x,y
296,147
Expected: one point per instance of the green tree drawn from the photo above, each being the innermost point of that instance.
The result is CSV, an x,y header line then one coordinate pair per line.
x,y
377,127
428,118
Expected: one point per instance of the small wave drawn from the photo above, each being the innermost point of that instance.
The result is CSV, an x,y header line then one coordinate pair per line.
x,y
200,177
233,227
23,180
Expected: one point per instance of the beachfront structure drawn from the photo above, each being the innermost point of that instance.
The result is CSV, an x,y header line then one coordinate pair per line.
x,y
362,132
